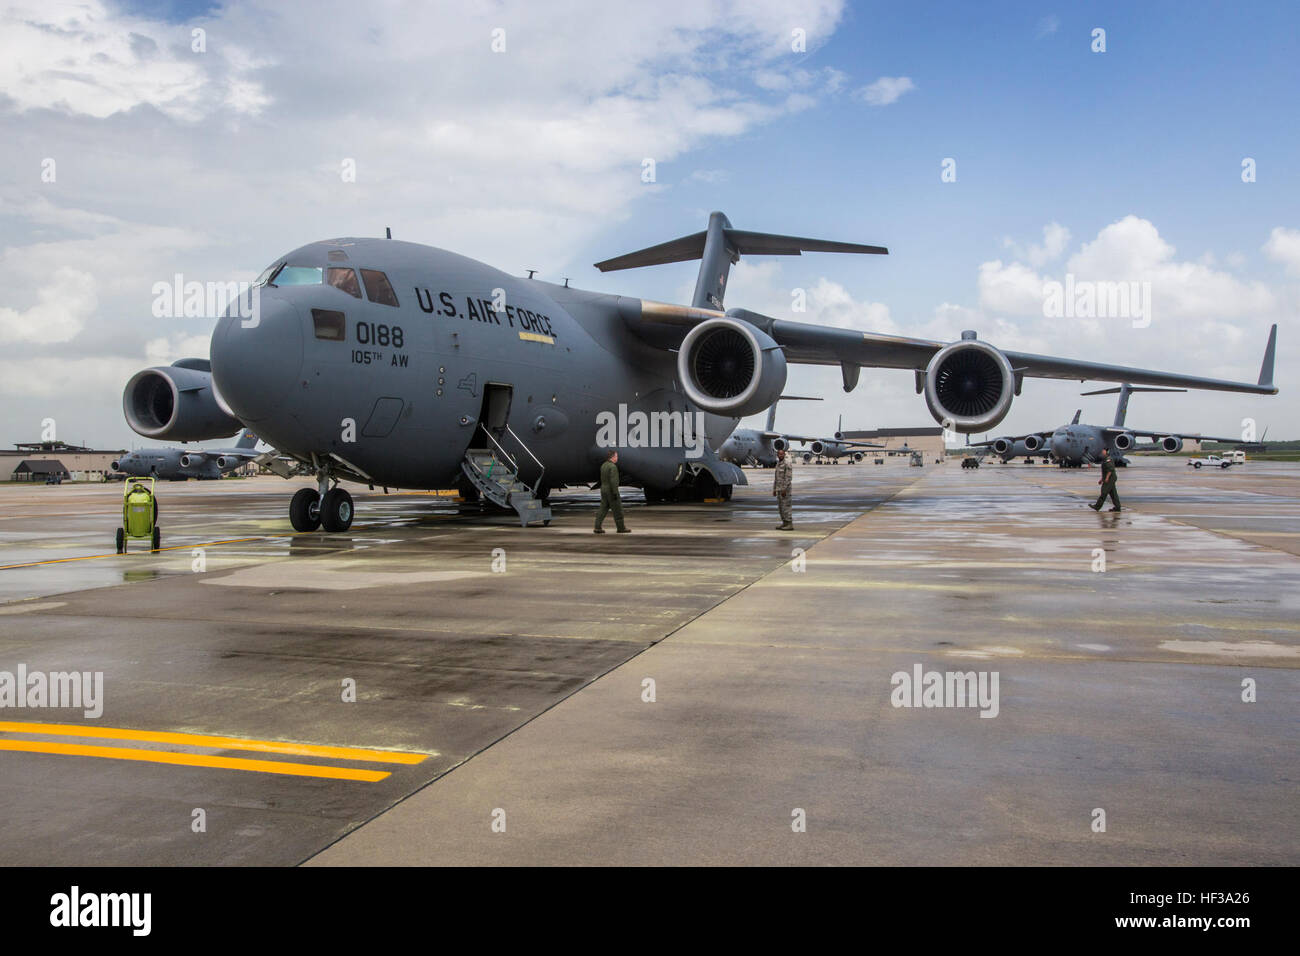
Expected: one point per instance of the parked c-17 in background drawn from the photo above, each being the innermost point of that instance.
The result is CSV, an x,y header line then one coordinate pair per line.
x,y
749,446
398,364
1075,445
835,448
177,464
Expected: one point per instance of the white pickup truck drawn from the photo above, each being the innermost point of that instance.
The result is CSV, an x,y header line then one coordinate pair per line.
x,y
1214,461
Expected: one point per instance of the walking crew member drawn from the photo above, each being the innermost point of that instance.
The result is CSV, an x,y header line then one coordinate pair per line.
x,y
782,482
1107,482
609,499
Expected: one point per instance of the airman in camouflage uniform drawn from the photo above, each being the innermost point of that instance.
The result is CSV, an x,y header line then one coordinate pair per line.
x,y
1107,482
609,499
782,483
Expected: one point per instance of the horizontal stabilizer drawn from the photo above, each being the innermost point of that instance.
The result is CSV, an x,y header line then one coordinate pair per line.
x,y
676,250
719,247
739,242
1131,388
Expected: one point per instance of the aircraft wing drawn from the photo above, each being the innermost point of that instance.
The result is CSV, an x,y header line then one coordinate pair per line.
x,y
804,440
808,344
1015,438
1112,430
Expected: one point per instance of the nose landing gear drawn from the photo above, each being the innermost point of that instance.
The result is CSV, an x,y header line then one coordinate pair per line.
x,y
321,507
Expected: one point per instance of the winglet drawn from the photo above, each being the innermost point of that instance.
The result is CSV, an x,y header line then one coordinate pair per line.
x,y
1266,368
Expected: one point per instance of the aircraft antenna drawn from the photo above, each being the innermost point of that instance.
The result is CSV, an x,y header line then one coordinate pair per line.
x,y
530,272
388,232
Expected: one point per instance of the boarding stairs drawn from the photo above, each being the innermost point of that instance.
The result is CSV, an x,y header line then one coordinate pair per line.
x,y
496,475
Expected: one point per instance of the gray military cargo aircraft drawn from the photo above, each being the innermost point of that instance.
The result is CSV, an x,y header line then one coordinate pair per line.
x,y
749,446
1074,445
177,464
1028,447
398,364
835,448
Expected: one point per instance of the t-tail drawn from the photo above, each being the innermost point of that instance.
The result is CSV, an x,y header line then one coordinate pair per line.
x,y
1125,390
771,412
246,440
718,248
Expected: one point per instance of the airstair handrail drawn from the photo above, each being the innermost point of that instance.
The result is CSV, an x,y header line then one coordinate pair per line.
x,y
541,468
514,465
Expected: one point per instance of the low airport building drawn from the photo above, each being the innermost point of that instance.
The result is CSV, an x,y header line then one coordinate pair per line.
x,y
35,461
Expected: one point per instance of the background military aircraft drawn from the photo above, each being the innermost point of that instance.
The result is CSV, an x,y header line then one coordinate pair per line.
x,y
835,448
749,446
1029,447
1075,445
399,364
177,464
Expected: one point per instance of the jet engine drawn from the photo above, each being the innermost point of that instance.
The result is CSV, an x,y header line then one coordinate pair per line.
x,y
1033,442
177,402
817,447
729,367
969,385
188,460
1123,441
779,444
1003,445
1171,443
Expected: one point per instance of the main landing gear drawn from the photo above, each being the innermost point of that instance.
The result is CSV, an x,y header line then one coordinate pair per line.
x,y
321,507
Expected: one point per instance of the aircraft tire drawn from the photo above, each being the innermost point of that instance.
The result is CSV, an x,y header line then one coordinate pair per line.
x,y
303,513
336,510
1196,464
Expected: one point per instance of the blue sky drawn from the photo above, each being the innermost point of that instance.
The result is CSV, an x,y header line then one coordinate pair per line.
x,y
213,164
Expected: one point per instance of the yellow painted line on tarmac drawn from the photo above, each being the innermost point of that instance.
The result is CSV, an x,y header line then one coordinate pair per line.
x,y
194,760
175,547
205,740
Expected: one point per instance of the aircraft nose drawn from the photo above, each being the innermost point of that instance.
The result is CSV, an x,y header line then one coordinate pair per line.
x,y
257,360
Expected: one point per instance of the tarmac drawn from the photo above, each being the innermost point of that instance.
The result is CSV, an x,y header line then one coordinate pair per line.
x,y
441,687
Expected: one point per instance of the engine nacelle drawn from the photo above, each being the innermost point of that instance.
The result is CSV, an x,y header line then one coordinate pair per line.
x,y
729,367
1033,442
780,444
1123,441
969,386
817,447
1171,444
176,402
190,460
1003,445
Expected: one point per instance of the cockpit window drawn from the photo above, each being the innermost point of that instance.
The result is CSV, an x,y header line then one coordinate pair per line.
x,y
298,275
329,324
269,271
344,279
378,288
